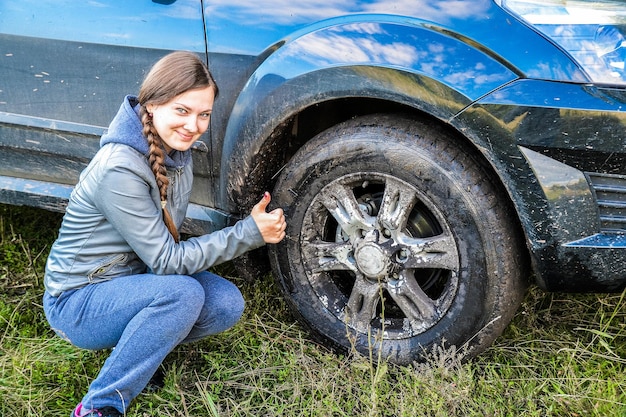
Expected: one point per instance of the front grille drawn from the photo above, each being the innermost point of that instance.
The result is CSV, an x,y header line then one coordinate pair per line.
x,y
610,193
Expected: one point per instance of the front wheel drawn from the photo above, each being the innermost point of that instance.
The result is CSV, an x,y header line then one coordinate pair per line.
x,y
397,241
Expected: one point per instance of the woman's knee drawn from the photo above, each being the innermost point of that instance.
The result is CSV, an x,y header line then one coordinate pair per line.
x,y
223,306
232,307
184,291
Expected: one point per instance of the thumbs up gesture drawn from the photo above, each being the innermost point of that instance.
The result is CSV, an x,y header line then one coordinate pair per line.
x,y
272,225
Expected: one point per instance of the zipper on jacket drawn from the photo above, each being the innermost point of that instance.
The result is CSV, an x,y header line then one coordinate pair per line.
x,y
106,266
178,172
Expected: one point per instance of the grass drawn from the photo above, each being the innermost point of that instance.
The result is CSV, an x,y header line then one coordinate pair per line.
x,y
563,355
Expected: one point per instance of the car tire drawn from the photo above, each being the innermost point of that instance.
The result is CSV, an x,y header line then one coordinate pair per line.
x,y
398,241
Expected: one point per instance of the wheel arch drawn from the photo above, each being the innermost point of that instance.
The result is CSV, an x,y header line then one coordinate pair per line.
x,y
267,141
343,68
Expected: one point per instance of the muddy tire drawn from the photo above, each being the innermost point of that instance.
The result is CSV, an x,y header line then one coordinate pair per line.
x,y
398,240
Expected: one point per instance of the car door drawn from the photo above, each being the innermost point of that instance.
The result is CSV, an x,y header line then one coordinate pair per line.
x,y
65,69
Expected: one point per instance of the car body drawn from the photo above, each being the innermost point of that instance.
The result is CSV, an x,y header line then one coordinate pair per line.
x,y
524,125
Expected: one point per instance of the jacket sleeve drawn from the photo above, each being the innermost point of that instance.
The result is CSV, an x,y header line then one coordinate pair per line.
x,y
125,199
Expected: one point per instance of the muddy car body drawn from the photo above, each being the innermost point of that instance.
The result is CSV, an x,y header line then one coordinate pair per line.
x,y
432,158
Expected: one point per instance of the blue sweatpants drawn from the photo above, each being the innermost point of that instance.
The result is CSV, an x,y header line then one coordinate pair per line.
x,y
144,317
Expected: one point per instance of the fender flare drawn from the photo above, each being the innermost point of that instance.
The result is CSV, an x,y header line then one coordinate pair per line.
x,y
391,58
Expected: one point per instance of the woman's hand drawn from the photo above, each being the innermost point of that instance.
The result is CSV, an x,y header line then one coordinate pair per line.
x,y
272,225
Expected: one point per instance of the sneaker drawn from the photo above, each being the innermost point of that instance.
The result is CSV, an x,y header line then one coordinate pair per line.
x,y
100,412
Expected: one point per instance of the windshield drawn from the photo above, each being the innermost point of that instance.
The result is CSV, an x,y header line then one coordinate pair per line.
x,y
593,32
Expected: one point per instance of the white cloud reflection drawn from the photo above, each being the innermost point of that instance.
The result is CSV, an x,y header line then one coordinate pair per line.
x,y
414,49
428,9
341,45
282,12
288,12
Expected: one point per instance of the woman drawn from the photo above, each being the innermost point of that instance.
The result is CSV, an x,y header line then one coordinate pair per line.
x,y
118,276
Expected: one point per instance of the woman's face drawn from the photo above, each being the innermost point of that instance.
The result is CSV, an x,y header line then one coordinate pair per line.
x,y
182,120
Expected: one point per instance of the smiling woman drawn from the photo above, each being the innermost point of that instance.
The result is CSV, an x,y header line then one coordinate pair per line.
x,y
182,120
117,275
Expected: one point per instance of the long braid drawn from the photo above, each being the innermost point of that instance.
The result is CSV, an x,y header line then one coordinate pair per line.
x,y
173,75
156,159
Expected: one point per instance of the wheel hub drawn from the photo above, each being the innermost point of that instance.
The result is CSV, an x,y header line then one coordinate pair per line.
x,y
372,260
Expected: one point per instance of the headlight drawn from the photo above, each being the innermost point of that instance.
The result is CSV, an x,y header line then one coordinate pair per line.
x,y
593,32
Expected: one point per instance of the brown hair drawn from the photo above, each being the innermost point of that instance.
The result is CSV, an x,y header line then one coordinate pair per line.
x,y
173,75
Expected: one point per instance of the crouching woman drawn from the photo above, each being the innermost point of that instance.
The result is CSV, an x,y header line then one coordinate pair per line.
x,y
118,276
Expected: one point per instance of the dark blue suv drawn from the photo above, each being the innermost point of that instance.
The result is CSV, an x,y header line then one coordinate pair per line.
x,y
433,158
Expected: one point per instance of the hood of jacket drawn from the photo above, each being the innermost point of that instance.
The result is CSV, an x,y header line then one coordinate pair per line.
x,y
126,128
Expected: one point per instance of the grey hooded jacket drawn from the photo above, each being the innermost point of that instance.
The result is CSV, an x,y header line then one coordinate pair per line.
x,y
113,224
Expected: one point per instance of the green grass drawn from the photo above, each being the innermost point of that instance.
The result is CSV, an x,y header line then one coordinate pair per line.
x,y
563,355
